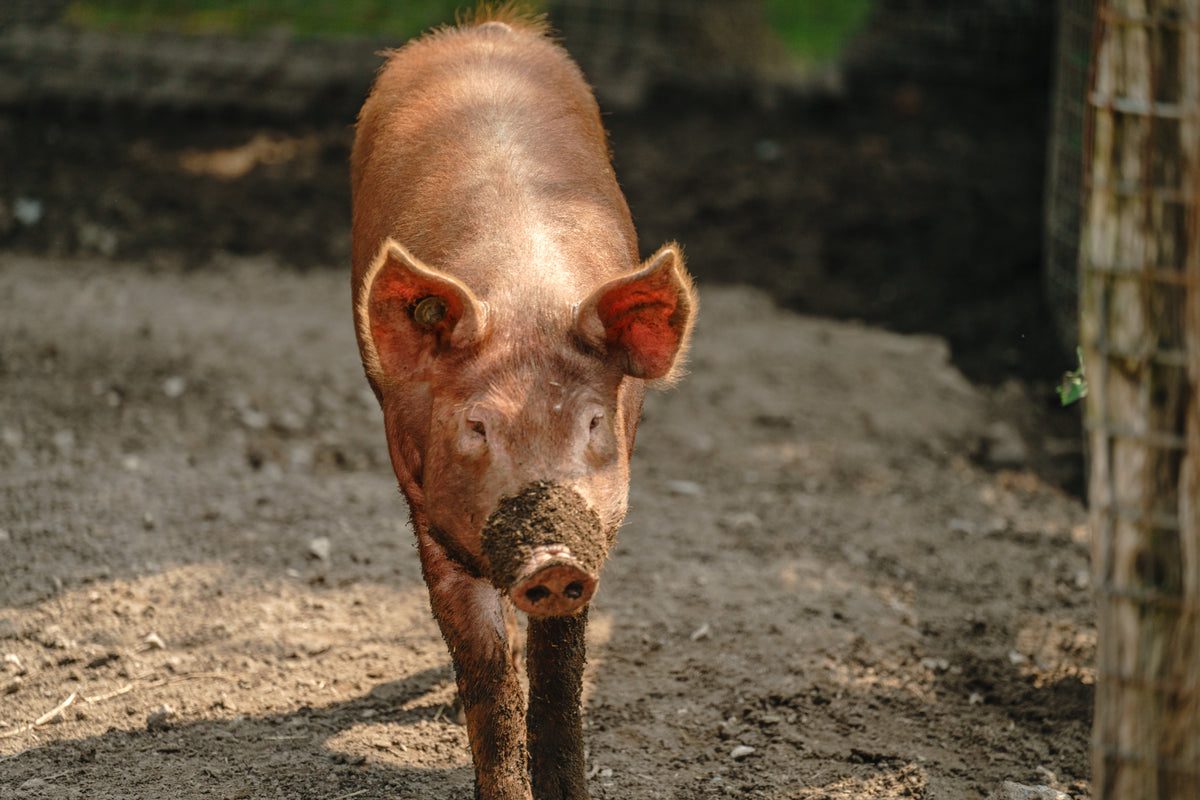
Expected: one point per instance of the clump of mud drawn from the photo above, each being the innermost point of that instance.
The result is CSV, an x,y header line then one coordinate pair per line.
x,y
542,515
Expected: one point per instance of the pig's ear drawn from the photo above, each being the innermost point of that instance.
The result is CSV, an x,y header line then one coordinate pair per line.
x,y
406,310
644,318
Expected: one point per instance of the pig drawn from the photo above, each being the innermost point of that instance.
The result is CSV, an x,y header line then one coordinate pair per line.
x,y
509,331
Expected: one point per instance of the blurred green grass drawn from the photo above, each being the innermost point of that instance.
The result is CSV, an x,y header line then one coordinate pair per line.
x,y
811,30
383,18
816,30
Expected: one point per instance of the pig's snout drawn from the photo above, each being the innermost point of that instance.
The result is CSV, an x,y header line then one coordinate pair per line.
x,y
545,547
552,584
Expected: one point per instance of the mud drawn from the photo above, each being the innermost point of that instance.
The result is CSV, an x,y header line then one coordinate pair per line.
x,y
543,514
816,563
556,655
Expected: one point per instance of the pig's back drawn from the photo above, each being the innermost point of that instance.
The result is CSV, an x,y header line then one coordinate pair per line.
x,y
481,150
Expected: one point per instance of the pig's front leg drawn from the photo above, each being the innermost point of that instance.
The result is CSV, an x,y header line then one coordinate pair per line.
x,y
554,658
470,614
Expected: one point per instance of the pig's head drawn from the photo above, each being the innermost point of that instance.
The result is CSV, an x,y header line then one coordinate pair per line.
x,y
510,422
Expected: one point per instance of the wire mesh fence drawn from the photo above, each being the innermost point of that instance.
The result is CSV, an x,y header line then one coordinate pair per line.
x,y
626,46
1064,164
286,56
152,58
986,43
179,54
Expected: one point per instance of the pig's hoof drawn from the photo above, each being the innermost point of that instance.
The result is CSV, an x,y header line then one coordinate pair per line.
x,y
554,590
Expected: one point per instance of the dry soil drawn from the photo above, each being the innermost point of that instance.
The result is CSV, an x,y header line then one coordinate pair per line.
x,y
820,591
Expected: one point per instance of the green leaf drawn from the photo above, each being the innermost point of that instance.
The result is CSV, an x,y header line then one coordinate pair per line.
x,y
1074,386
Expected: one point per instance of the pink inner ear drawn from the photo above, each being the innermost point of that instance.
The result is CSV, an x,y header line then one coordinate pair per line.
x,y
393,295
637,320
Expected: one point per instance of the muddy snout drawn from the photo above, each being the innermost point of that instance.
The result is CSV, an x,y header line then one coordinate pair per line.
x,y
545,548
552,584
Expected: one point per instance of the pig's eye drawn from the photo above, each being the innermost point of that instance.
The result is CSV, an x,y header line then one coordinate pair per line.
x,y
477,428
596,419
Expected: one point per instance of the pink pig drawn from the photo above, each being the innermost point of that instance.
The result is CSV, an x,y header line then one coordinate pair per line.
x,y
509,332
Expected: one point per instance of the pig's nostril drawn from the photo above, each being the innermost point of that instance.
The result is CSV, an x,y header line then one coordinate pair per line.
x,y
537,594
574,590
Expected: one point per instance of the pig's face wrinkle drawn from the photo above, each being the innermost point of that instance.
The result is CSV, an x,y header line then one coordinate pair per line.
x,y
497,425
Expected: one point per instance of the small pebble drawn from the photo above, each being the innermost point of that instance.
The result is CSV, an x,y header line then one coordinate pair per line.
x,y
742,521
302,457
292,421
27,211
963,526
703,632
319,548
174,386
254,420
740,752
155,641
685,488
1048,774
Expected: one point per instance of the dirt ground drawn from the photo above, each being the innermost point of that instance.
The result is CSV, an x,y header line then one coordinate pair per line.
x,y
821,562
915,206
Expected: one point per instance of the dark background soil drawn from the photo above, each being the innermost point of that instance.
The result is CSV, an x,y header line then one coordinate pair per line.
x,y
898,205
908,197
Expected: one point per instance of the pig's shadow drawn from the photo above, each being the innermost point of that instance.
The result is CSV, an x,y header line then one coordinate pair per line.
x,y
277,755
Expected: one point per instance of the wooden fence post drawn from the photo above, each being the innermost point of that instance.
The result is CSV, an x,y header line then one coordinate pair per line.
x,y
1140,330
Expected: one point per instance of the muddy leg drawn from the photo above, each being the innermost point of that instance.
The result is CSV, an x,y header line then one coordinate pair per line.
x,y
471,617
516,652
554,657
